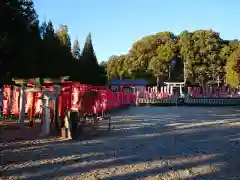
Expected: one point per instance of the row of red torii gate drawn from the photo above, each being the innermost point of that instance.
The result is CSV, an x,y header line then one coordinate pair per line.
x,y
53,100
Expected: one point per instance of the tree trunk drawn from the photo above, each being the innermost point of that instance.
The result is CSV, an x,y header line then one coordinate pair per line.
x,y
158,80
202,83
56,117
10,100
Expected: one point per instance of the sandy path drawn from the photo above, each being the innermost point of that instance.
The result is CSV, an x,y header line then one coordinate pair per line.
x,y
146,143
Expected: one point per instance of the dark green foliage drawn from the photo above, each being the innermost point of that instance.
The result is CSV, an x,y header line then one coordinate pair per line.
x,y
89,60
76,50
17,38
233,68
29,50
202,58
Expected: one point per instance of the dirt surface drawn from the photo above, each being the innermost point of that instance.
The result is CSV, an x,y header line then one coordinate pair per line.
x,y
145,143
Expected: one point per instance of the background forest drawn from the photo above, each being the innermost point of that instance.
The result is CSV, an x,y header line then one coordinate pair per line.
x,y
201,57
29,49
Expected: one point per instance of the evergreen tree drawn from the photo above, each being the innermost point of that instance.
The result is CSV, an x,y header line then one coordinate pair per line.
x,y
88,53
29,51
50,62
28,11
77,63
64,55
76,50
16,39
49,36
233,69
43,29
63,36
90,63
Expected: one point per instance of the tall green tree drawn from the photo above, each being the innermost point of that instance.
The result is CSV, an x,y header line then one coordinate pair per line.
x,y
88,53
76,50
158,68
16,42
30,50
233,69
77,72
92,68
63,47
50,43
103,64
112,65
63,36
201,56
186,53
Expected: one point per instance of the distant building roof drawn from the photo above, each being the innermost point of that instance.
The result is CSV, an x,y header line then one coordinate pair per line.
x,y
142,82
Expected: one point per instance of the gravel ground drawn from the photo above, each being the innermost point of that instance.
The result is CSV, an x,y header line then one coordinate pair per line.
x,y
145,143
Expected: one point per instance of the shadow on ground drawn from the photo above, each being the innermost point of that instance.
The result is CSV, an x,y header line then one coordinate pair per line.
x,y
145,143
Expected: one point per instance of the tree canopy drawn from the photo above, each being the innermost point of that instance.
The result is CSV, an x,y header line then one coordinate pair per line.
x,y
30,49
200,57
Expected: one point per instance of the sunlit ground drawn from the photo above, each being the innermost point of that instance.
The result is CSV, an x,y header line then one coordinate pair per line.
x,y
144,143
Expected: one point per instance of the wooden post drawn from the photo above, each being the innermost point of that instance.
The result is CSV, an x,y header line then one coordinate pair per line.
x,y
56,112
61,107
10,102
1,101
32,109
181,90
66,129
70,96
168,93
171,90
22,106
73,125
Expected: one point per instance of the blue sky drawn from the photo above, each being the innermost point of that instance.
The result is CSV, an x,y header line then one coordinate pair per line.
x,y
116,24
